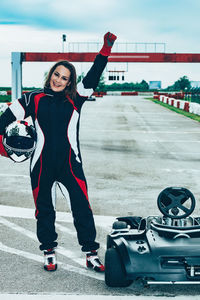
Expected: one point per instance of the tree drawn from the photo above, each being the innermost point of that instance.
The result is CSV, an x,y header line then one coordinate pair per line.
x,y
184,83
180,85
144,85
80,77
101,86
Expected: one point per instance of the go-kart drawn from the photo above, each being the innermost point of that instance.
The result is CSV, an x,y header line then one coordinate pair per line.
x,y
156,249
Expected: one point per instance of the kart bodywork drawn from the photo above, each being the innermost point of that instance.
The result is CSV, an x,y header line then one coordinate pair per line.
x,y
157,249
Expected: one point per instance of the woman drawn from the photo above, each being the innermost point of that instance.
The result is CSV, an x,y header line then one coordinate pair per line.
x,y
55,111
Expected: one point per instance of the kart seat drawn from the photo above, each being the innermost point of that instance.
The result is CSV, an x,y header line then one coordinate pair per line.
x,y
176,231
132,221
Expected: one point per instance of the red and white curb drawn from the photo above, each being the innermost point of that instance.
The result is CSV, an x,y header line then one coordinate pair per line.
x,y
191,107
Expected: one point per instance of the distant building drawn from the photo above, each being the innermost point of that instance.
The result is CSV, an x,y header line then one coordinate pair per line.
x,y
154,85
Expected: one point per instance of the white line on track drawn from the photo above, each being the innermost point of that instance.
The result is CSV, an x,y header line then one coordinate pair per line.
x,y
28,213
71,254
38,258
170,141
146,131
8,211
73,233
18,228
67,253
65,229
14,175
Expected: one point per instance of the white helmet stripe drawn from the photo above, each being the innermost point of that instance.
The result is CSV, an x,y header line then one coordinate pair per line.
x,y
39,144
18,142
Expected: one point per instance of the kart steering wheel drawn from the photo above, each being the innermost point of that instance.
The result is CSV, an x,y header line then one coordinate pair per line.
x,y
176,202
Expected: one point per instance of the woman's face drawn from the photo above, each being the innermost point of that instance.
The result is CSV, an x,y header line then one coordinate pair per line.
x,y
60,79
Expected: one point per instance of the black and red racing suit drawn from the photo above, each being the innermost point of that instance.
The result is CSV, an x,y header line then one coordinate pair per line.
x,y
57,158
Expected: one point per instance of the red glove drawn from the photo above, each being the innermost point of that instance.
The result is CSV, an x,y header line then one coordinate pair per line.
x,y
2,149
109,39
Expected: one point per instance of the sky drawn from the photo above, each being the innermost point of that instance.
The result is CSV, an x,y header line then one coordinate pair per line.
x,y
38,26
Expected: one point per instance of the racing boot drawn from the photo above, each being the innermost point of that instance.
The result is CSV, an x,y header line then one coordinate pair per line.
x,y
50,260
93,261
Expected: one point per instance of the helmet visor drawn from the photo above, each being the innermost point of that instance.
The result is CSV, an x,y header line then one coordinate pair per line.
x,y
19,143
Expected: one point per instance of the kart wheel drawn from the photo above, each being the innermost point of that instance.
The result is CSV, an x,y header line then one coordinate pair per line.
x,y
119,225
114,270
109,242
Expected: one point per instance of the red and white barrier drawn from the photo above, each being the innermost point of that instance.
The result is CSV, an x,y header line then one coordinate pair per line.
x,y
191,107
96,94
9,92
3,93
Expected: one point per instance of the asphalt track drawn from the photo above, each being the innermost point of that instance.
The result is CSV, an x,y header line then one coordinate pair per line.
x,y
132,148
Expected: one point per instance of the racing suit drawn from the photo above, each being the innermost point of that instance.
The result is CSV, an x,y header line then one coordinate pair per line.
x,y
57,158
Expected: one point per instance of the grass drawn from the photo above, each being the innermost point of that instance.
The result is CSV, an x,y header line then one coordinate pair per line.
x,y
5,98
5,88
177,110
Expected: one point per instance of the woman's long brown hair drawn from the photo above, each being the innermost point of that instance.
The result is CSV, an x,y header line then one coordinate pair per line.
x,y
71,89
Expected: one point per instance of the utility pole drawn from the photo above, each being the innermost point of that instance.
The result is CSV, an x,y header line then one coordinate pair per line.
x,y
63,41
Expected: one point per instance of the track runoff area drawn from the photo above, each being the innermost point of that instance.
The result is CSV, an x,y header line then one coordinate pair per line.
x,y
143,148
96,297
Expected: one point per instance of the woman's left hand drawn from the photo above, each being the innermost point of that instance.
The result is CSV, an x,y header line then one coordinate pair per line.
x,y
109,39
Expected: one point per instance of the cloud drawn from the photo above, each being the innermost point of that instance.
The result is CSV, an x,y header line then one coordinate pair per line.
x,y
59,14
132,20
179,18
37,25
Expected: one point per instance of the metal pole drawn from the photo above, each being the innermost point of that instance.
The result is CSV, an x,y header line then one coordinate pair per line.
x,y
16,62
63,41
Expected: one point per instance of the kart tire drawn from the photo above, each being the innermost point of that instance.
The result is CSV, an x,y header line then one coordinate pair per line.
x,y
119,225
114,271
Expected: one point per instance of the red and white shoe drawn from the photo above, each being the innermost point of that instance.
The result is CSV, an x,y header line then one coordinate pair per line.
x,y
93,261
50,260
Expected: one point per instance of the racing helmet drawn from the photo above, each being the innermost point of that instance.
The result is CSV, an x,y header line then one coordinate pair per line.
x,y
19,140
